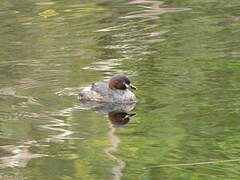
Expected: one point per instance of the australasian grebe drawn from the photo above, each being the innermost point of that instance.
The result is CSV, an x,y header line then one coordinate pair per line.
x,y
114,91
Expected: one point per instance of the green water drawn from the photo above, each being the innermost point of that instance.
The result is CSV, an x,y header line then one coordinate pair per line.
x,y
184,57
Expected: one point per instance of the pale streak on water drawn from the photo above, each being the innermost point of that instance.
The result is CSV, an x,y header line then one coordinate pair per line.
x,y
18,156
57,125
153,11
114,140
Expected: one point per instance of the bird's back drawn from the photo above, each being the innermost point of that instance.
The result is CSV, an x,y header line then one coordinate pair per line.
x,y
101,92
101,88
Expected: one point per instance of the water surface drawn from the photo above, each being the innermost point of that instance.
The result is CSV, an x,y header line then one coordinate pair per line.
x,y
182,55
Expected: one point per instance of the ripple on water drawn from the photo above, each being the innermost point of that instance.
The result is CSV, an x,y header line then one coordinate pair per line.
x,y
18,155
151,12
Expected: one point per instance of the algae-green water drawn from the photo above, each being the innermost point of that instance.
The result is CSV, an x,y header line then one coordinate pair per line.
x,y
184,57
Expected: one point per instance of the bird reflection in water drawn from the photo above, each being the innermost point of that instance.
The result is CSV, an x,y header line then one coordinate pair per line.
x,y
119,118
118,114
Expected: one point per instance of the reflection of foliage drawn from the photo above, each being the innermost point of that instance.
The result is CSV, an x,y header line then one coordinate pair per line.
x,y
83,9
82,169
15,11
48,13
45,3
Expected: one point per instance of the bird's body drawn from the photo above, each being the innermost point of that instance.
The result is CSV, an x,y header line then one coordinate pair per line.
x,y
114,91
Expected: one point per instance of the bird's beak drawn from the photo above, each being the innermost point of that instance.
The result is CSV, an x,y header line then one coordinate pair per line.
x,y
130,85
129,115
